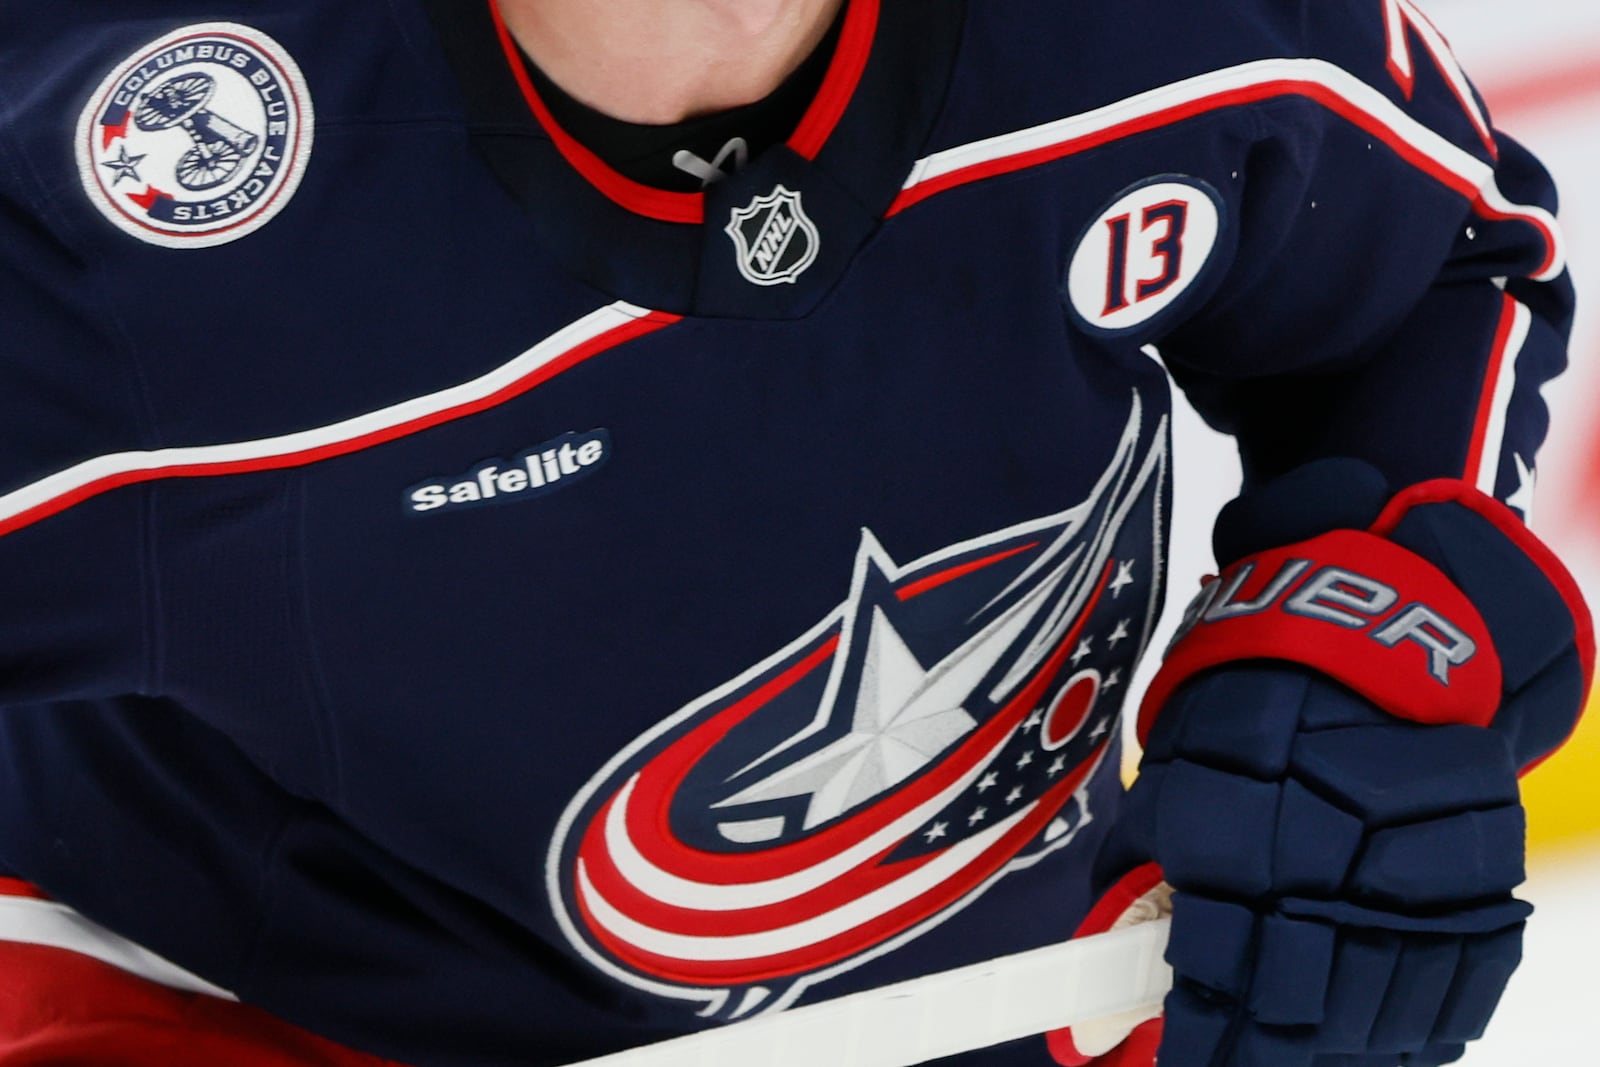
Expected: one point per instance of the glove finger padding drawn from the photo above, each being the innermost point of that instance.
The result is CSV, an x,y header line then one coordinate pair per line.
x,y
1248,981
1344,887
1327,798
1330,775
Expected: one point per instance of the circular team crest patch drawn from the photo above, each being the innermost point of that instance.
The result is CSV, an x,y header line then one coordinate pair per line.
x,y
198,138
1143,251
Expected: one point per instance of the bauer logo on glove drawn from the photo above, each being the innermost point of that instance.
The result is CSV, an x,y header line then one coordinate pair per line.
x,y
1359,608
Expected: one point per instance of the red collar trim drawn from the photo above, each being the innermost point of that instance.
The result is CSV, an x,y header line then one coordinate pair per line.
x,y
838,86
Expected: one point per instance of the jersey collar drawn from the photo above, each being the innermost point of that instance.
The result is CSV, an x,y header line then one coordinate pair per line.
x,y
838,86
849,157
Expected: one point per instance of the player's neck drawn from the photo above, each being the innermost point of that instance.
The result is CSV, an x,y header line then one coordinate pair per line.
x,y
662,61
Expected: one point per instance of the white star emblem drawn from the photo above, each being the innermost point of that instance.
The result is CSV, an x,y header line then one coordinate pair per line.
x,y
936,831
1015,795
977,816
1114,678
1124,577
1058,766
988,782
1522,497
1099,730
1120,633
1081,651
1027,758
904,718
1033,720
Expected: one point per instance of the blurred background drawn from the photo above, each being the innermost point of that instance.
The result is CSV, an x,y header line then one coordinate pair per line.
x,y
1537,65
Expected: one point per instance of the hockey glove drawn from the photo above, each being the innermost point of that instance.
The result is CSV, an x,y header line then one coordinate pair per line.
x,y
1330,775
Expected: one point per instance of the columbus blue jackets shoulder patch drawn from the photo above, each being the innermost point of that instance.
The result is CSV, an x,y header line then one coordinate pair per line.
x,y
198,138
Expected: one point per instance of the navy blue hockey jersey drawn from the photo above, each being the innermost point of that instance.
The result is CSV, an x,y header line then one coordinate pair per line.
x,y
488,611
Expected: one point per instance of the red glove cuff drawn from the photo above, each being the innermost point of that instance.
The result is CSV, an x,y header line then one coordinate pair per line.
x,y
1351,605
1373,615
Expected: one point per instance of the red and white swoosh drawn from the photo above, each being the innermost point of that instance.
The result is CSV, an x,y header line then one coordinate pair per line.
x,y
756,841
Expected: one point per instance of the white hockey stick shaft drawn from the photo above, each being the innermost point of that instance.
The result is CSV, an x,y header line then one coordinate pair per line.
x,y
911,1022
1099,978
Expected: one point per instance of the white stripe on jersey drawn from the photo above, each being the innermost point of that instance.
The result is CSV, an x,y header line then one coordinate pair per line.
x,y
44,922
1488,472
1316,79
93,476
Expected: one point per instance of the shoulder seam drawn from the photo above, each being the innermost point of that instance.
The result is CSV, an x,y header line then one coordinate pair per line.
x,y
35,196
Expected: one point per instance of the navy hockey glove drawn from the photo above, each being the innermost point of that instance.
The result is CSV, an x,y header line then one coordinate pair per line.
x,y
1330,774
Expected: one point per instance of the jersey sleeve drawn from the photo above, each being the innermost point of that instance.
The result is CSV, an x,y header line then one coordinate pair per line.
x,y
1399,292
71,586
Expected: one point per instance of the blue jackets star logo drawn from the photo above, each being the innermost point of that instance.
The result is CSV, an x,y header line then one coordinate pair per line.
x,y
934,731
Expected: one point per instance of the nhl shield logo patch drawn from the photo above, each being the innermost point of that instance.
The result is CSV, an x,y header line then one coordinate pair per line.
x,y
198,138
774,239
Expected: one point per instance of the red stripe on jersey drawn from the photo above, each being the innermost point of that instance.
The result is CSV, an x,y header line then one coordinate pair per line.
x,y
58,1007
16,887
933,581
1483,210
1486,401
871,874
1278,78
1177,113
337,446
